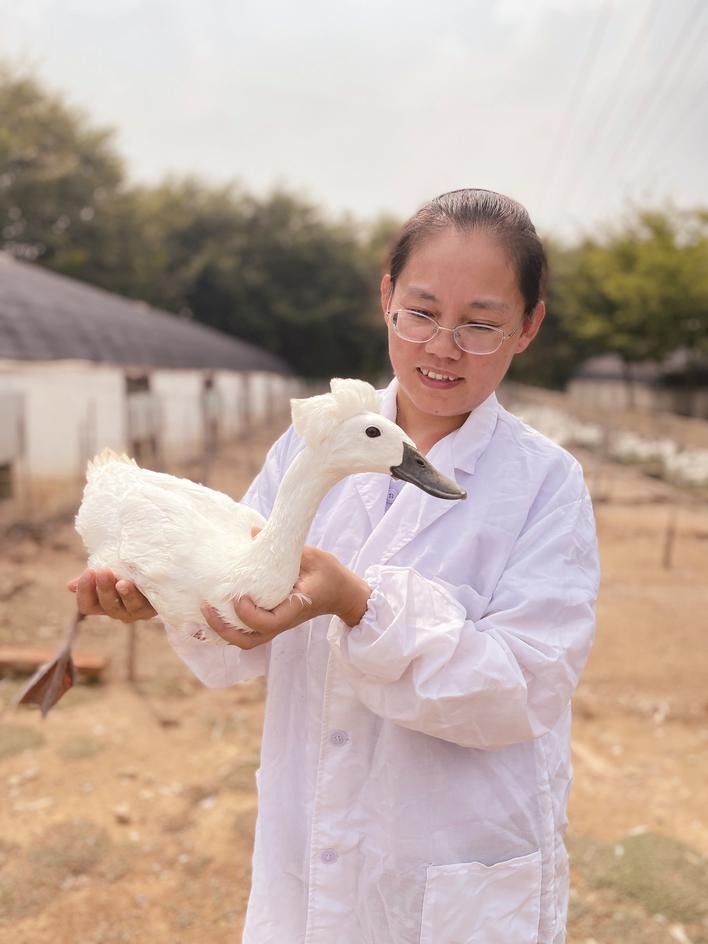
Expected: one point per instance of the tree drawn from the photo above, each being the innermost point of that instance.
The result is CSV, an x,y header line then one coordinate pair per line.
x,y
643,292
57,172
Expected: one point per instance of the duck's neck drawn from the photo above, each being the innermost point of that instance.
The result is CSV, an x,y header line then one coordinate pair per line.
x,y
301,490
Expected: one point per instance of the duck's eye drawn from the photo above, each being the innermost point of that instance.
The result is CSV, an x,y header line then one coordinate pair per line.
x,y
373,431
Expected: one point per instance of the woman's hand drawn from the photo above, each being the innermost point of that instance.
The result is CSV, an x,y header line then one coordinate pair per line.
x,y
100,593
329,586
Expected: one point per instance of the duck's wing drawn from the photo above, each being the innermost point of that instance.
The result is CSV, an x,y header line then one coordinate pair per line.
x,y
208,501
161,531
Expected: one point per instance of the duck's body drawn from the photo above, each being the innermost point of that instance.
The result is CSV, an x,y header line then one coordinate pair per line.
x,y
183,544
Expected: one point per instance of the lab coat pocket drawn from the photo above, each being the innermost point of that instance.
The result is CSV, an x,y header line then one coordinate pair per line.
x,y
471,903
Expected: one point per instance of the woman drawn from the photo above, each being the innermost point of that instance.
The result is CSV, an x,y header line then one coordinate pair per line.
x,y
415,760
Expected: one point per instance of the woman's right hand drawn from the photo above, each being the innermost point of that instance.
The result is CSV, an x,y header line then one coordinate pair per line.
x,y
100,593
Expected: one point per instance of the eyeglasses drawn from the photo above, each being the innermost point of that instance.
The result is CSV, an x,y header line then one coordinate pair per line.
x,y
472,338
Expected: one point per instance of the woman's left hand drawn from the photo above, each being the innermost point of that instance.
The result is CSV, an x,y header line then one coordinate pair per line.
x,y
329,586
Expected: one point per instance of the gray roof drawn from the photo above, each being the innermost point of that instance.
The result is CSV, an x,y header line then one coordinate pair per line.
x,y
46,316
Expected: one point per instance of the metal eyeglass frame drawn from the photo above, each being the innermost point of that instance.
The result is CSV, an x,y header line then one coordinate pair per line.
x,y
453,331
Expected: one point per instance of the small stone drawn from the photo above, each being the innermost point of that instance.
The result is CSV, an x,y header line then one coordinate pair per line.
x,y
677,932
661,713
74,881
122,813
33,806
170,789
207,803
25,776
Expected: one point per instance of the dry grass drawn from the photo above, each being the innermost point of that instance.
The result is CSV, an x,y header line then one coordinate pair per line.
x,y
662,875
16,738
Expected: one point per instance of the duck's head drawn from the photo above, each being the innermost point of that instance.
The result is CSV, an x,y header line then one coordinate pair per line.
x,y
346,429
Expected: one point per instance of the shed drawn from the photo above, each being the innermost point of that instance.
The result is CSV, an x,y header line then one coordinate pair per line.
x,y
82,368
678,384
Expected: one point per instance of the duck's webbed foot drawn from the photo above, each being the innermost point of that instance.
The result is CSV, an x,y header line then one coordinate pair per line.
x,y
53,679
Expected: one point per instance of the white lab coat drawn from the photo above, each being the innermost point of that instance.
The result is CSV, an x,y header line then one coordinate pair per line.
x,y
415,768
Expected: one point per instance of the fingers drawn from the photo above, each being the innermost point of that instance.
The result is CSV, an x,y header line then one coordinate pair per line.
x,y
99,593
108,596
86,596
230,634
270,622
137,606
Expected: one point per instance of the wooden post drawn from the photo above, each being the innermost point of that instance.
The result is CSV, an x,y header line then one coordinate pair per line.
x,y
670,537
132,652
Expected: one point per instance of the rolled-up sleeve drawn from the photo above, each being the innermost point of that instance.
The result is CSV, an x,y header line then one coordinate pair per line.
x,y
505,676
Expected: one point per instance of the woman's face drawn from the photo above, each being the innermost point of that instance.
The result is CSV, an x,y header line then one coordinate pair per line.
x,y
456,278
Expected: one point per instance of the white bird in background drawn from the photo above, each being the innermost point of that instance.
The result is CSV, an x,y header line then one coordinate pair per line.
x,y
183,544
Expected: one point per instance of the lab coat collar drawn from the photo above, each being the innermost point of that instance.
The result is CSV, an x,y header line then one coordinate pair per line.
x,y
414,510
462,448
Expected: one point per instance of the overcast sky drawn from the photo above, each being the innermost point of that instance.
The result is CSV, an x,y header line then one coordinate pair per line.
x,y
573,107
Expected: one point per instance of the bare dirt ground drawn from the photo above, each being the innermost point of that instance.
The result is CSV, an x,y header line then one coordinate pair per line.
x,y
127,816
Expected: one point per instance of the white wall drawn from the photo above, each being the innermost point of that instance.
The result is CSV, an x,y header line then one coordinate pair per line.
x,y
72,409
180,397
233,393
258,397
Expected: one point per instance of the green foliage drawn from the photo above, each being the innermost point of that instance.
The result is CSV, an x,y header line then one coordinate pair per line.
x,y
641,292
550,360
275,272
59,175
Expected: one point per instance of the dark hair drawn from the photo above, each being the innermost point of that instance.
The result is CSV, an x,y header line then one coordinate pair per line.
x,y
472,209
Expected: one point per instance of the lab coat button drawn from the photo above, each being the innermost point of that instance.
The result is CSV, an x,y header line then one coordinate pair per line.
x,y
339,737
329,855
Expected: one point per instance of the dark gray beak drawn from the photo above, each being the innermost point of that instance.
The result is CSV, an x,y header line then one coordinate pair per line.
x,y
416,469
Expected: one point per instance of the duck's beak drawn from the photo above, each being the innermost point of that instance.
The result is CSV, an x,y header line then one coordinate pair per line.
x,y
416,469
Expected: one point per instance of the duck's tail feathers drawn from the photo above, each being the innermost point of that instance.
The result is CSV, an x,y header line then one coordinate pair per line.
x,y
108,455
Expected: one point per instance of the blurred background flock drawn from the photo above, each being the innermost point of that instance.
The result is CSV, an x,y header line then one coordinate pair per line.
x,y
196,202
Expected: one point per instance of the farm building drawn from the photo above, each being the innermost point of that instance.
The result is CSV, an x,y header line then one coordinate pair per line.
x,y
677,385
81,368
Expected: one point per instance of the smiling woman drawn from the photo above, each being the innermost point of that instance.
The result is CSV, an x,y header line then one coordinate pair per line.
x,y
470,266
416,752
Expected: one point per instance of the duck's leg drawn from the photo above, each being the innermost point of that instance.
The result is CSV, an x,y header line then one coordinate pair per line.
x,y
54,678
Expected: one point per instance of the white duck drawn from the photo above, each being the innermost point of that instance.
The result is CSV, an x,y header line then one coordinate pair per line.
x,y
183,544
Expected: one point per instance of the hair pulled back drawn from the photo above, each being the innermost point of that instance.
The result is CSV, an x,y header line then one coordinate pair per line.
x,y
472,209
